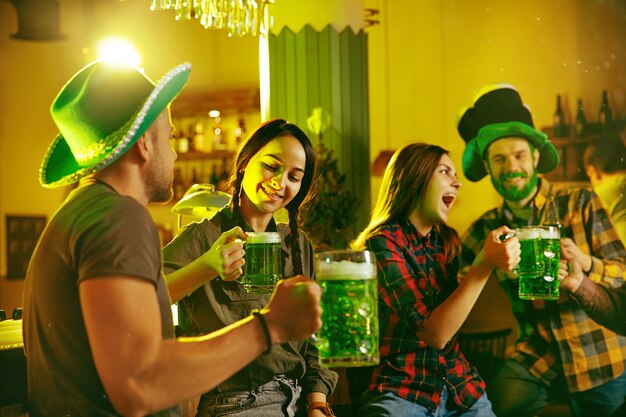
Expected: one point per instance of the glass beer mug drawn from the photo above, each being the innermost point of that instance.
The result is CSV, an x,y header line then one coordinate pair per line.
x,y
539,266
263,266
349,333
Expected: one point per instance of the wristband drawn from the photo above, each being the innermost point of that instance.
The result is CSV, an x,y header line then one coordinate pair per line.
x,y
266,330
322,406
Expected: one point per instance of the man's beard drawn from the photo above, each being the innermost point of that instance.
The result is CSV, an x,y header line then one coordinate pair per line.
x,y
513,193
158,182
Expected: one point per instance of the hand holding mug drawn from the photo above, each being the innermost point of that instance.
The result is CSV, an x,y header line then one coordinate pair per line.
x,y
226,256
294,311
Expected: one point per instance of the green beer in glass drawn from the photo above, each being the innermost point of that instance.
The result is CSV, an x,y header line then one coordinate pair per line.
x,y
539,265
263,262
551,241
349,333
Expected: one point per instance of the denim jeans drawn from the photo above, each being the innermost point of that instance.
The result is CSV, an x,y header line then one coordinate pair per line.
x,y
388,404
516,393
278,397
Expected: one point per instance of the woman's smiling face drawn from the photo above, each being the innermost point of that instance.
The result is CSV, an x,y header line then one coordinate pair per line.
x,y
273,176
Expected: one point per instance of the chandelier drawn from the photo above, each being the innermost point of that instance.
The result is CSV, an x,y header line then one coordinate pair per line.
x,y
238,17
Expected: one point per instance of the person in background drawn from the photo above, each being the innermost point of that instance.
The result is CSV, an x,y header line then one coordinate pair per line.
x,y
98,332
559,345
605,165
421,305
273,169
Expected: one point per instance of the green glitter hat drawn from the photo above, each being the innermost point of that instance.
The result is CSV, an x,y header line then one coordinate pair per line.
x,y
100,114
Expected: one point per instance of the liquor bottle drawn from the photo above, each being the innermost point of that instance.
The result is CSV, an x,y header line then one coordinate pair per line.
x,y
606,116
219,141
560,129
178,186
581,120
215,179
240,132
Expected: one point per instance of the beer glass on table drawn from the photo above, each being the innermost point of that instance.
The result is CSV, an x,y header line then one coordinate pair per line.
x,y
349,333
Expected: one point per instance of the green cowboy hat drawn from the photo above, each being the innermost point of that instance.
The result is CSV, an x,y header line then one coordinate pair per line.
x,y
499,113
100,114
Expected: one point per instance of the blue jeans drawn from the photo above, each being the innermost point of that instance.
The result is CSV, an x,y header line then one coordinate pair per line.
x,y
516,393
278,397
376,404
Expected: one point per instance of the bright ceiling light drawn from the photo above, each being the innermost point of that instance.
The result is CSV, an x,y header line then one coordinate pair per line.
x,y
118,50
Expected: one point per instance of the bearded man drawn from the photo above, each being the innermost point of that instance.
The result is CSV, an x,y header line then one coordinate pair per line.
x,y
558,344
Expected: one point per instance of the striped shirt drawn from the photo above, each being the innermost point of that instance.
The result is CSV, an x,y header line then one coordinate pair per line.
x,y
414,278
558,337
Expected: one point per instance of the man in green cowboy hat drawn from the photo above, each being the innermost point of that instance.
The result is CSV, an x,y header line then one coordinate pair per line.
x,y
558,344
98,332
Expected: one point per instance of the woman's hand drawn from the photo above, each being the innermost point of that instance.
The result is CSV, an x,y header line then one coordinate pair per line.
x,y
226,256
503,254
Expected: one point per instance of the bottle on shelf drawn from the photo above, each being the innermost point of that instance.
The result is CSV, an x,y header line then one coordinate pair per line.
x,y
215,179
181,140
198,140
219,139
606,116
581,120
560,128
240,132
178,185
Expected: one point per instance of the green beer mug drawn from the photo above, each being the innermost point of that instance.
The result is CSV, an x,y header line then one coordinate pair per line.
x,y
263,266
539,265
349,333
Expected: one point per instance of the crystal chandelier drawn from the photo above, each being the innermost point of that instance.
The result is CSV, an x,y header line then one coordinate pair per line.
x,y
238,17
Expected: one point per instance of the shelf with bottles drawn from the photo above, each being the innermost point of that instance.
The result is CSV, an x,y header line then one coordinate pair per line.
x,y
571,139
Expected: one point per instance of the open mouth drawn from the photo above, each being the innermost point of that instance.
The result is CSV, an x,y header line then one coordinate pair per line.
x,y
448,199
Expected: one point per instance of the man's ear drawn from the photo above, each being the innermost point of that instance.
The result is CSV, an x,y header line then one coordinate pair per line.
x,y
144,146
536,156
594,174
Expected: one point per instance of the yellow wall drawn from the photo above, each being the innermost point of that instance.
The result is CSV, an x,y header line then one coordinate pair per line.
x,y
426,61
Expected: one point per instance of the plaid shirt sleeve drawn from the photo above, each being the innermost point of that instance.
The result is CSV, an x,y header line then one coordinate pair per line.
x,y
593,233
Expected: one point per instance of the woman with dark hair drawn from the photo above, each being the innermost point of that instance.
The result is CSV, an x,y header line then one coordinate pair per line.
x,y
273,170
421,305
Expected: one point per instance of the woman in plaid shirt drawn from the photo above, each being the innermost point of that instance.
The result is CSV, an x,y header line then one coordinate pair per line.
x,y
421,306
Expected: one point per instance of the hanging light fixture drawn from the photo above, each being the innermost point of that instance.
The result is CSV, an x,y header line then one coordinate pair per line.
x,y
201,200
238,17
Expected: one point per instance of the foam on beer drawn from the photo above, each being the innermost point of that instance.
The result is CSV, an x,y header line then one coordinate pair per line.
x,y
550,233
263,237
528,233
345,270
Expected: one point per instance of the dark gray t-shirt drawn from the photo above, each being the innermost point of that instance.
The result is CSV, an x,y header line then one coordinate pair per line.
x,y
95,233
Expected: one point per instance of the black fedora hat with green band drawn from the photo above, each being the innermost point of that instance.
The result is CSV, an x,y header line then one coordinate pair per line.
x,y
500,113
100,114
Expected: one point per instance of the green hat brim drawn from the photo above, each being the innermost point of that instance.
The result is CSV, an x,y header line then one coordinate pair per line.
x,y
473,155
60,167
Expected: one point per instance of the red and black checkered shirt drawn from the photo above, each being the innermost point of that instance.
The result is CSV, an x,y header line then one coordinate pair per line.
x,y
414,277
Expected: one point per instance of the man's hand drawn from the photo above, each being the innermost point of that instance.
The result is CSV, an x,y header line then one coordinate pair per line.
x,y
294,311
570,273
570,251
226,256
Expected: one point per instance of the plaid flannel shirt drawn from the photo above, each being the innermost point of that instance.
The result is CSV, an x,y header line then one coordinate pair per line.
x,y
413,279
558,337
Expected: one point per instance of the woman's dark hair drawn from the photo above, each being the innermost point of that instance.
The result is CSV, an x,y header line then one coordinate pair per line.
x,y
267,132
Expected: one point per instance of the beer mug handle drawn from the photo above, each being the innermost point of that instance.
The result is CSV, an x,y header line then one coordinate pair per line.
x,y
504,238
